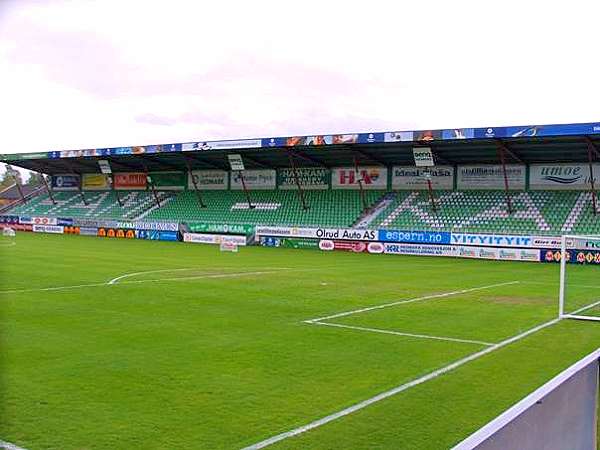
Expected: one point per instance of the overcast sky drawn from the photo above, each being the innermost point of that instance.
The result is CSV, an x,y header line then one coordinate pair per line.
x,y
87,74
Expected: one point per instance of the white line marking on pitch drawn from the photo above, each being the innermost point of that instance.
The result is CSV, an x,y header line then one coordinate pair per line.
x,y
412,300
396,390
398,333
122,283
8,446
114,280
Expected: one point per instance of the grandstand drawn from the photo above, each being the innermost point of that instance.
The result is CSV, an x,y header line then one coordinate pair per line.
x,y
534,212
136,344
499,180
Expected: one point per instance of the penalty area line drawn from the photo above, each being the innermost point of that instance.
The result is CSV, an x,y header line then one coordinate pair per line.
x,y
157,280
403,387
399,333
412,300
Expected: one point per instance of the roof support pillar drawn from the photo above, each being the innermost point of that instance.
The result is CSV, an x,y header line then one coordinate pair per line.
x,y
591,149
297,181
194,183
360,184
50,190
81,187
150,182
430,189
112,185
241,174
501,150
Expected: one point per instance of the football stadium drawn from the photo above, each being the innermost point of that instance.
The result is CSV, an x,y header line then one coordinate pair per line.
x,y
429,289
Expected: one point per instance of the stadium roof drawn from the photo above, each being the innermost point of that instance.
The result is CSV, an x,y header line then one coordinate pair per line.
x,y
520,144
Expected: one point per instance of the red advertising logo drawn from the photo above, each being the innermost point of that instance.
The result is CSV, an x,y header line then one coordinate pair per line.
x,y
130,180
375,247
326,245
351,177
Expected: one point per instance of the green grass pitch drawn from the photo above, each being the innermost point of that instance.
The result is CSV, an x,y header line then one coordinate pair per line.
x,y
191,348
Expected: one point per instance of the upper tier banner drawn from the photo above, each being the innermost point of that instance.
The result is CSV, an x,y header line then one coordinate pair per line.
x,y
169,181
209,180
307,178
253,179
350,178
411,177
562,176
130,181
489,176
67,182
95,182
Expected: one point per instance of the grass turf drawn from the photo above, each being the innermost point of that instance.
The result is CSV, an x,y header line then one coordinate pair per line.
x,y
212,351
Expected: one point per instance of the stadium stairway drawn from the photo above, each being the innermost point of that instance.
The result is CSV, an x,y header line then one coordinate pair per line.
x,y
370,215
534,212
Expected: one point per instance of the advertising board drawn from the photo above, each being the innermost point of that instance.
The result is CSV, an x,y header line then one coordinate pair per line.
x,y
83,222
130,181
349,178
220,145
156,226
489,176
492,240
95,182
413,178
419,249
308,178
88,231
574,256
346,246
286,231
254,179
110,232
71,230
562,176
196,227
417,237
209,180
169,181
463,251
54,229
20,227
156,235
44,221
10,219
197,238
67,182
297,243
